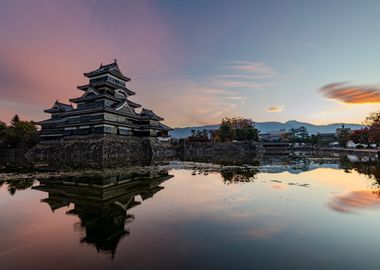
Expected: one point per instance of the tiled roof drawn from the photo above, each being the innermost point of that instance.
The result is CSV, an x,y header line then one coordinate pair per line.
x,y
151,115
112,68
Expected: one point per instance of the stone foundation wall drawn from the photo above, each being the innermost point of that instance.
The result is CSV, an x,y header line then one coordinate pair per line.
x,y
107,151
163,151
13,155
244,152
94,151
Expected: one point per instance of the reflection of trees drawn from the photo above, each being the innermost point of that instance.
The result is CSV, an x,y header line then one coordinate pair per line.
x,y
239,175
103,211
370,169
14,185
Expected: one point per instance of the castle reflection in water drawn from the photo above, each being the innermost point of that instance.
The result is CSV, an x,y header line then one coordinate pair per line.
x,y
101,206
103,203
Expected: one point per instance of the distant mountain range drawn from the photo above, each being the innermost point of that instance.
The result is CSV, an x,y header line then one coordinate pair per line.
x,y
265,127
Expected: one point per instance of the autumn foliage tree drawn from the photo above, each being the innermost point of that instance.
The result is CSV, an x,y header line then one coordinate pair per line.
x,y
239,129
360,136
369,134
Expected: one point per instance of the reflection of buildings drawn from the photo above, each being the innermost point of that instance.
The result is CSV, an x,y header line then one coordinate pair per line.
x,y
294,164
103,211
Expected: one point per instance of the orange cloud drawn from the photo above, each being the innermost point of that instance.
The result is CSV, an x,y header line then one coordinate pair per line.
x,y
275,108
357,199
353,94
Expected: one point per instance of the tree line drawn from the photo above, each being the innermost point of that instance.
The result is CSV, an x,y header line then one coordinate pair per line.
x,y
230,129
18,133
370,134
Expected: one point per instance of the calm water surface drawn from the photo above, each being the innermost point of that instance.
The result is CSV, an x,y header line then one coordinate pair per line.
x,y
324,217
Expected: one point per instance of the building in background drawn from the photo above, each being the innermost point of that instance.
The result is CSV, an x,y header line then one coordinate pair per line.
x,y
342,131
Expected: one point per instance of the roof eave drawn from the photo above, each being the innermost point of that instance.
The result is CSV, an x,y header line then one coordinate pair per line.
x,y
116,74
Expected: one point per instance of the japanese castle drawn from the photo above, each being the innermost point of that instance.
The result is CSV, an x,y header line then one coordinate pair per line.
x,y
103,108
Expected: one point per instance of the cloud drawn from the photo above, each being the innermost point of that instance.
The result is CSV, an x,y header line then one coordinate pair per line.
x,y
242,84
43,56
352,94
244,75
357,199
280,186
196,103
48,46
275,108
258,68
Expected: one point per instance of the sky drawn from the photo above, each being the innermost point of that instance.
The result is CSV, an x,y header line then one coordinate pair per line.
x,y
194,62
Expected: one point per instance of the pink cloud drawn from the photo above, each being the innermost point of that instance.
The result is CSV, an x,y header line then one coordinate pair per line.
x,y
46,47
354,200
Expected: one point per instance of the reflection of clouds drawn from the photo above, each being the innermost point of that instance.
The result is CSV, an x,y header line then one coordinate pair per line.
x,y
280,186
357,199
265,232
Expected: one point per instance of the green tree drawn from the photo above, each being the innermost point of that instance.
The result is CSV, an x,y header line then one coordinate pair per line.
x,y
226,132
299,134
343,138
19,133
15,120
239,129
316,139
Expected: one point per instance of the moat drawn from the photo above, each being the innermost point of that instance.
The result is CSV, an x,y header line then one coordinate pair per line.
x,y
282,214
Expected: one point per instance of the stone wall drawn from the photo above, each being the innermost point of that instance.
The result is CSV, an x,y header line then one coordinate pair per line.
x,y
92,151
13,155
163,151
107,151
244,152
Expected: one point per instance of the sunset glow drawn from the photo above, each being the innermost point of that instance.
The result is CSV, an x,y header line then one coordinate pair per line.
x,y
196,62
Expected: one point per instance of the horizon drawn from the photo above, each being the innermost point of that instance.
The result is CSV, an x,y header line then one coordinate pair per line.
x,y
308,57
292,120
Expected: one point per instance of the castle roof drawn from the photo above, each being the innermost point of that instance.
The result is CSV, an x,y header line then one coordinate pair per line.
x,y
86,86
164,127
151,115
112,68
59,107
